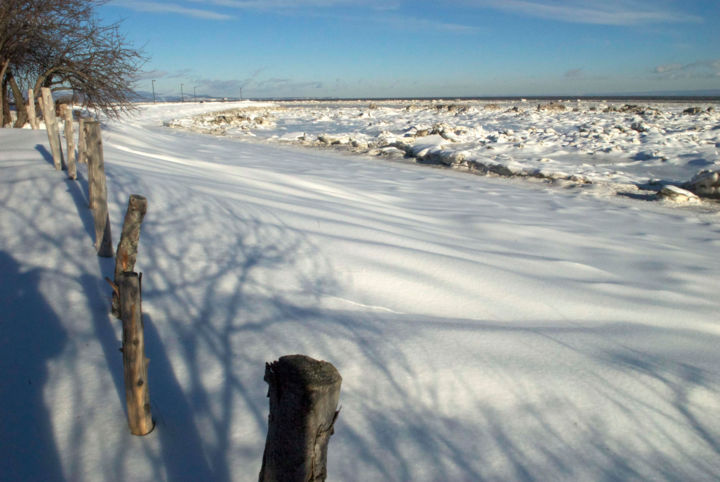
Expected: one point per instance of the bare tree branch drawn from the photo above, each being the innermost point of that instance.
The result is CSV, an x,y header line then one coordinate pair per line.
x,y
60,44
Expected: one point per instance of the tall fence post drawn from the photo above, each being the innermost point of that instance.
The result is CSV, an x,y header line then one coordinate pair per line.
x,y
127,248
32,116
303,395
70,141
52,127
98,189
137,393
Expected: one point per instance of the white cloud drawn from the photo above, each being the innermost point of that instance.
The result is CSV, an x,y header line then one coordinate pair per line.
x,y
701,69
157,7
574,74
151,74
382,11
300,4
608,12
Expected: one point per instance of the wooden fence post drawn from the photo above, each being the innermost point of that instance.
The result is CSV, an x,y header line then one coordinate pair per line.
x,y
82,156
70,141
98,189
303,395
32,116
137,394
127,248
52,127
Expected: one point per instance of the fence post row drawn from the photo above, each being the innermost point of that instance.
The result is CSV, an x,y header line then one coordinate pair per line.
x,y
303,395
98,189
52,127
137,393
70,141
127,248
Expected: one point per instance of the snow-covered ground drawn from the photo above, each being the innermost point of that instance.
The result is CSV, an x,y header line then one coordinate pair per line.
x,y
485,328
617,145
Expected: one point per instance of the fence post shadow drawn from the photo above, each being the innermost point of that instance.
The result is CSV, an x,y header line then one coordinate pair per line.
x,y
180,442
45,153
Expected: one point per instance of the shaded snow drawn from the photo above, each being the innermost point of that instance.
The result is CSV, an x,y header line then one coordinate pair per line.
x,y
484,328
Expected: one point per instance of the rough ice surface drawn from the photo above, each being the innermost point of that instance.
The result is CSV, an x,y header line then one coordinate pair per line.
x,y
579,141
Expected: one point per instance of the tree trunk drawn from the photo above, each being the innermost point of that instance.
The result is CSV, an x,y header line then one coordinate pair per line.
x,y
52,127
32,117
82,146
303,397
128,246
98,189
22,114
137,394
3,93
70,141
7,118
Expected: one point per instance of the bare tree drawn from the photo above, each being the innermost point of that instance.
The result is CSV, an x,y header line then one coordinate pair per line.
x,y
24,25
60,44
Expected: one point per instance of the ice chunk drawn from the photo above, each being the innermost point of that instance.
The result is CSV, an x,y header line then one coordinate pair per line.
x,y
677,194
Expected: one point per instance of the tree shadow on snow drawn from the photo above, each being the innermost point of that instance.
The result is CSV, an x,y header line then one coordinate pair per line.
x,y
78,190
180,443
226,299
30,335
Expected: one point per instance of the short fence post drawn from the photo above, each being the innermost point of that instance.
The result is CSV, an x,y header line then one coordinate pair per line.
x,y
32,117
127,248
137,394
70,141
82,156
52,127
98,189
303,395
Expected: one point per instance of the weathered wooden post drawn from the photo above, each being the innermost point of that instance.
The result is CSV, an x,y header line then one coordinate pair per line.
x,y
127,248
32,116
82,156
70,141
137,394
52,127
303,395
98,189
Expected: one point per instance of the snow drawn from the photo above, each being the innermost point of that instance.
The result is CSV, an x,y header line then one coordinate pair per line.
x,y
485,328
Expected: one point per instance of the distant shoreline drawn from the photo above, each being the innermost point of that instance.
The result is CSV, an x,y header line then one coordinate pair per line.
x,y
564,98
530,98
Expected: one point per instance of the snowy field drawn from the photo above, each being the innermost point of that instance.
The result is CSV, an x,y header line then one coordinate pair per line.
x,y
485,328
615,146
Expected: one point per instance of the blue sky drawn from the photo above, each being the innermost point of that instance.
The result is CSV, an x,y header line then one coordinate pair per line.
x,y
397,48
